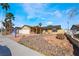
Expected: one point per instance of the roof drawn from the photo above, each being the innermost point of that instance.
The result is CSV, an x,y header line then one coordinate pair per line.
x,y
77,26
52,27
37,27
25,26
47,27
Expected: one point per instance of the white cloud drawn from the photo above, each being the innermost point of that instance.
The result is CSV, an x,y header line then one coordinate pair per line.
x,y
57,14
49,23
39,11
34,10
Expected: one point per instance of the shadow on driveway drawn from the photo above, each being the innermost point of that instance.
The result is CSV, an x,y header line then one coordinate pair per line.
x,y
5,51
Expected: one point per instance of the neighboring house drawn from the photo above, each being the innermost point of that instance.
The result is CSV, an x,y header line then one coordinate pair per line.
x,y
75,28
47,30
25,30
21,30
53,29
38,30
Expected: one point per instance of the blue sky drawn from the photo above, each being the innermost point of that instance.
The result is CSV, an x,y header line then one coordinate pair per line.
x,y
46,13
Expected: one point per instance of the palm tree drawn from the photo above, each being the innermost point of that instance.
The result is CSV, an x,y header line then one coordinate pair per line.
x,y
9,17
40,24
5,6
8,22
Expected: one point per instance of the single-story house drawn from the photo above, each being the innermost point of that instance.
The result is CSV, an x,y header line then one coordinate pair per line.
x,y
75,28
53,29
21,30
36,30
24,30
46,30
39,30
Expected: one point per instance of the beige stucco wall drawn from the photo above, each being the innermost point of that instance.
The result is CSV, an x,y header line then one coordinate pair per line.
x,y
25,30
61,31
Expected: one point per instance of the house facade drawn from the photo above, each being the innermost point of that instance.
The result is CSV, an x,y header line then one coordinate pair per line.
x,y
75,28
24,30
54,30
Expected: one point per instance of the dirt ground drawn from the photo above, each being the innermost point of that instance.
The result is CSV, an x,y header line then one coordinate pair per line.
x,y
47,44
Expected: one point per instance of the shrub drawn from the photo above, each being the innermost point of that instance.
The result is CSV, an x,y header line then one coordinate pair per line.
x,y
60,36
76,35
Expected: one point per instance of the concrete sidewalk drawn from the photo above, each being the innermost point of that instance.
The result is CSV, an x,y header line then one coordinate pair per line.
x,y
16,48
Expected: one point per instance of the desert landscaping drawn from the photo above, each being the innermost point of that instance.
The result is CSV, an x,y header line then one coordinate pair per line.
x,y
47,44
39,29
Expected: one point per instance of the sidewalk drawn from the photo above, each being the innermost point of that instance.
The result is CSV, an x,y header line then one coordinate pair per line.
x,y
16,48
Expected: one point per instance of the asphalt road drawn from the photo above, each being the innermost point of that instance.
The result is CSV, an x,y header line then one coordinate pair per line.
x,y
9,47
5,51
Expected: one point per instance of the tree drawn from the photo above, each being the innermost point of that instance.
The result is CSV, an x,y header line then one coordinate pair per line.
x,y
71,14
40,24
8,23
9,17
5,6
